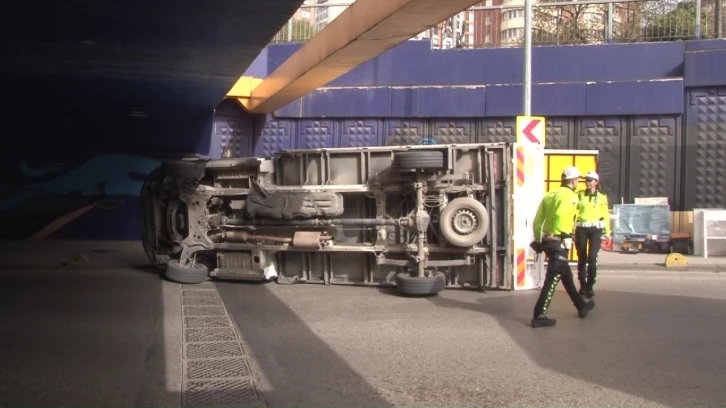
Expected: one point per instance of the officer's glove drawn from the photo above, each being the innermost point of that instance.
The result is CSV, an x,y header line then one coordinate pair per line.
x,y
536,246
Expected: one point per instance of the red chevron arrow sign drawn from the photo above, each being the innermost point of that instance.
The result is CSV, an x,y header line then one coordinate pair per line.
x,y
531,129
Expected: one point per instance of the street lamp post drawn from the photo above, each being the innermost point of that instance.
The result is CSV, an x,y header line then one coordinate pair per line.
x,y
527,83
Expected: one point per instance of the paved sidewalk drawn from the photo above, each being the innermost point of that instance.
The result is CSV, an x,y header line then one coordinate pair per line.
x,y
644,261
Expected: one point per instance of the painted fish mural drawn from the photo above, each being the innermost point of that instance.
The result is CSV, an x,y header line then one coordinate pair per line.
x,y
56,197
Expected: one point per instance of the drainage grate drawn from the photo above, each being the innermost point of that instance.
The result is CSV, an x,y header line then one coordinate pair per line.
x,y
210,334
221,392
216,371
206,321
200,286
204,311
202,301
213,350
201,369
200,293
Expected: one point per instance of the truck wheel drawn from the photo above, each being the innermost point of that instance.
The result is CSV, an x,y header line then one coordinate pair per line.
x,y
189,170
419,160
413,285
464,222
179,274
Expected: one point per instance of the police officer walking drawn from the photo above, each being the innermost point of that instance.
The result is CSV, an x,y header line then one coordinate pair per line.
x,y
593,224
553,227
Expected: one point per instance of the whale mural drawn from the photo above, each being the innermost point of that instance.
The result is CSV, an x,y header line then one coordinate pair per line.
x,y
56,195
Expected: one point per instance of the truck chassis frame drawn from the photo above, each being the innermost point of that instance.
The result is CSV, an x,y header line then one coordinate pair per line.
x,y
420,218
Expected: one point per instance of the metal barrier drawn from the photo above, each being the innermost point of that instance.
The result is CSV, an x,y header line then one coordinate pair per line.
x,y
554,23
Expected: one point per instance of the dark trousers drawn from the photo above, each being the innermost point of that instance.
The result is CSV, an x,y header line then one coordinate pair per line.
x,y
557,268
587,259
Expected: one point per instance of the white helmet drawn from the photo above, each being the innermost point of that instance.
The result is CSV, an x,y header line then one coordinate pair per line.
x,y
592,175
570,173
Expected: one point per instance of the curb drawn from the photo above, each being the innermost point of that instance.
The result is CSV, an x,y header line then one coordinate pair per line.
x,y
712,268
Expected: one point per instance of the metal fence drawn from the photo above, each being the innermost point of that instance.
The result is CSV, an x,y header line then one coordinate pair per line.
x,y
554,23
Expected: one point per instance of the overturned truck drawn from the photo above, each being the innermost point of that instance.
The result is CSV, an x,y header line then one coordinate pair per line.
x,y
422,218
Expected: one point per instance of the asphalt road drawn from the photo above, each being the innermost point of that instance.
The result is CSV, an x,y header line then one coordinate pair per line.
x,y
654,339
112,335
107,335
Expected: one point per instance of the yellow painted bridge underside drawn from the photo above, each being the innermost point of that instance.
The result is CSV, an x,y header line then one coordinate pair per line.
x,y
363,31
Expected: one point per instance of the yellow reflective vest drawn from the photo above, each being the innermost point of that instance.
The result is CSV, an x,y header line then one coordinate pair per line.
x,y
593,210
556,213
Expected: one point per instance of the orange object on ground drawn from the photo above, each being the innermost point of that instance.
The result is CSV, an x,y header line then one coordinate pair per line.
x,y
607,245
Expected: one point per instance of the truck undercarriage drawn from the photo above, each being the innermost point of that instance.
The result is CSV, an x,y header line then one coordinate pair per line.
x,y
421,218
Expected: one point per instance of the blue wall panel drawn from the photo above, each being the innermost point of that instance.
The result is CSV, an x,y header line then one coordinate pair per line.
x,y
317,134
655,149
370,73
275,135
234,129
453,131
547,99
361,133
608,135
560,132
569,99
405,131
258,68
705,68
635,98
278,53
437,102
402,65
496,130
705,146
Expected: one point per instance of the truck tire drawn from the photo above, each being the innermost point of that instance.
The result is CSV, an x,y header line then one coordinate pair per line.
x,y
179,274
419,160
464,222
188,170
413,285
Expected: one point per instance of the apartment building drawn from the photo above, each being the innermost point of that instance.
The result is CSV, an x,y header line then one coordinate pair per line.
x,y
305,12
454,32
324,15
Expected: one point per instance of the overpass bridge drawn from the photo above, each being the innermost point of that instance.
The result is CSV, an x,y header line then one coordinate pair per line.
x,y
96,93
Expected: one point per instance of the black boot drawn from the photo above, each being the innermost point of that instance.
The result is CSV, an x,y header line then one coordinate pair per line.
x,y
590,293
582,288
543,321
583,310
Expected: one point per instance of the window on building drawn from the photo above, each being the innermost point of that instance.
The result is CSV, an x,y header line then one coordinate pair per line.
x,y
513,32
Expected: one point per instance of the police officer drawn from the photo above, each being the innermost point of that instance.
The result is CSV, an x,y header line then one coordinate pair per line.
x,y
553,227
593,224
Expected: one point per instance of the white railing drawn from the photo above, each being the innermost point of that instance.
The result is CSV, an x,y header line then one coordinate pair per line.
x,y
554,22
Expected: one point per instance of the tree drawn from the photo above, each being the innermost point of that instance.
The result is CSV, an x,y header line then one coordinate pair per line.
x,y
302,30
678,22
573,24
663,20
628,19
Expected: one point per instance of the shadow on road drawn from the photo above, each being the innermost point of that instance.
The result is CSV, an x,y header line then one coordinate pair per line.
x,y
299,367
667,349
92,337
